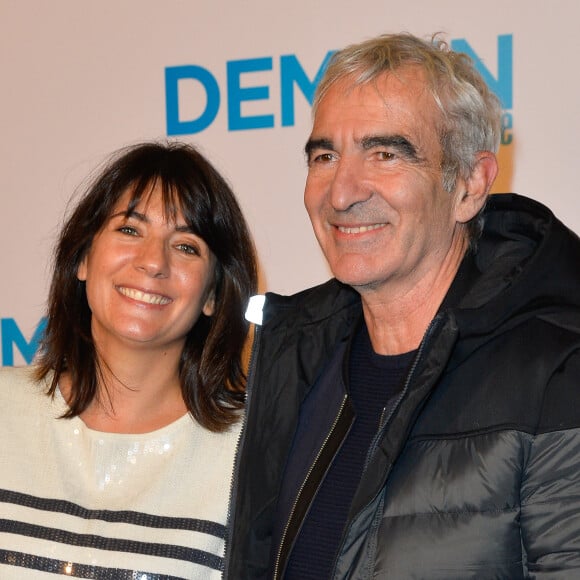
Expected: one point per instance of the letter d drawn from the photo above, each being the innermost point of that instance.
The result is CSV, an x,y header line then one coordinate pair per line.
x,y
172,77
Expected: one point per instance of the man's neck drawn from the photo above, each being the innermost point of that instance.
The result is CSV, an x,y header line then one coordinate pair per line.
x,y
398,315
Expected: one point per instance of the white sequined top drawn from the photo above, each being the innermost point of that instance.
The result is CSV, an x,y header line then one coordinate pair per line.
x,y
89,504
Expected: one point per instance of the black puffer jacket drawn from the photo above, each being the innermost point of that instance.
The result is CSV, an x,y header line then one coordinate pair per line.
x,y
477,472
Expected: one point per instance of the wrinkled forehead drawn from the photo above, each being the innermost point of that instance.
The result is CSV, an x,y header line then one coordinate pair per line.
x,y
356,76
409,81
403,96
404,91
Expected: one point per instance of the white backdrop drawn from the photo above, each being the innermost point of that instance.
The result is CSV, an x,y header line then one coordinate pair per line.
x,y
81,79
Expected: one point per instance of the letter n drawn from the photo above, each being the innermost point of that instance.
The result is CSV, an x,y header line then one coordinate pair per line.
x,y
502,86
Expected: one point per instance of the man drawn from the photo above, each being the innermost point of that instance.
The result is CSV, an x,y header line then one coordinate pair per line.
x,y
418,416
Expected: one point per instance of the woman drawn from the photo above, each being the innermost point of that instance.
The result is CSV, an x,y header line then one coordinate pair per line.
x,y
120,440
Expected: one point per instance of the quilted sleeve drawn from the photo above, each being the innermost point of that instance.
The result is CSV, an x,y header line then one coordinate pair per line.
x,y
550,492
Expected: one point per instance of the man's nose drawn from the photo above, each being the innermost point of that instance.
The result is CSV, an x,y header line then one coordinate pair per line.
x,y
347,187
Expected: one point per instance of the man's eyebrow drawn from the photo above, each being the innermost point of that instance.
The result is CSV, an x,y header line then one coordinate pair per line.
x,y
313,144
398,142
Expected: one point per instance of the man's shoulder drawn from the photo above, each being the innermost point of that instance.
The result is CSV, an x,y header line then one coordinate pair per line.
x,y
313,304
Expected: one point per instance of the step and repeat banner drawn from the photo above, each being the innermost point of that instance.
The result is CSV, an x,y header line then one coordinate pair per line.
x,y
81,79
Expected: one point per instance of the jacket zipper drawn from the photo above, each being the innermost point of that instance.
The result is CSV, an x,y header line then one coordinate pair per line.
x,y
305,480
239,445
404,390
381,430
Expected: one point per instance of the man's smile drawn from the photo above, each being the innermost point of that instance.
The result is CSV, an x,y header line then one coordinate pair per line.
x,y
360,229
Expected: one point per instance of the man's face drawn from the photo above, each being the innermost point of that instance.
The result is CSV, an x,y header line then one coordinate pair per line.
x,y
374,189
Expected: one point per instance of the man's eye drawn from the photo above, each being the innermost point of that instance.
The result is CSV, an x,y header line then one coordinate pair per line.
x,y
385,155
322,158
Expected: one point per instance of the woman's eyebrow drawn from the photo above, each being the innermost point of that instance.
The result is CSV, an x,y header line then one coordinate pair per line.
x,y
181,228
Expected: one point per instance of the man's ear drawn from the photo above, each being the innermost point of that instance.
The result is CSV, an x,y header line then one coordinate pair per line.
x,y
474,190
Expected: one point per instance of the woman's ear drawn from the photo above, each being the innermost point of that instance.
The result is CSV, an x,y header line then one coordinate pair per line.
x,y
209,305
82,270
475,189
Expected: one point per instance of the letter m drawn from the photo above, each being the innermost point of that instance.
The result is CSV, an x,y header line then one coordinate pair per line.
x,y
12,337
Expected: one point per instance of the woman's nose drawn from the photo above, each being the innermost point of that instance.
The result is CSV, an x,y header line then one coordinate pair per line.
x,y
153,258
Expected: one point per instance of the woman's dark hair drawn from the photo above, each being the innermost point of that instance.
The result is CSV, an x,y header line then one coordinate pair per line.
x,y
211,366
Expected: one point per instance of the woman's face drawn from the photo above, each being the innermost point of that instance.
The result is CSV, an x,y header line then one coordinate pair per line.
x,y
147,277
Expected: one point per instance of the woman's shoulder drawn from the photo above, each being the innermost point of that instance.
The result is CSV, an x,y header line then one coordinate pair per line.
x,y
16,375
20,383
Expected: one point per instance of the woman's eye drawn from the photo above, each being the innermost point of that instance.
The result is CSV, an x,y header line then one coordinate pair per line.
x,y
129,230
188,249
